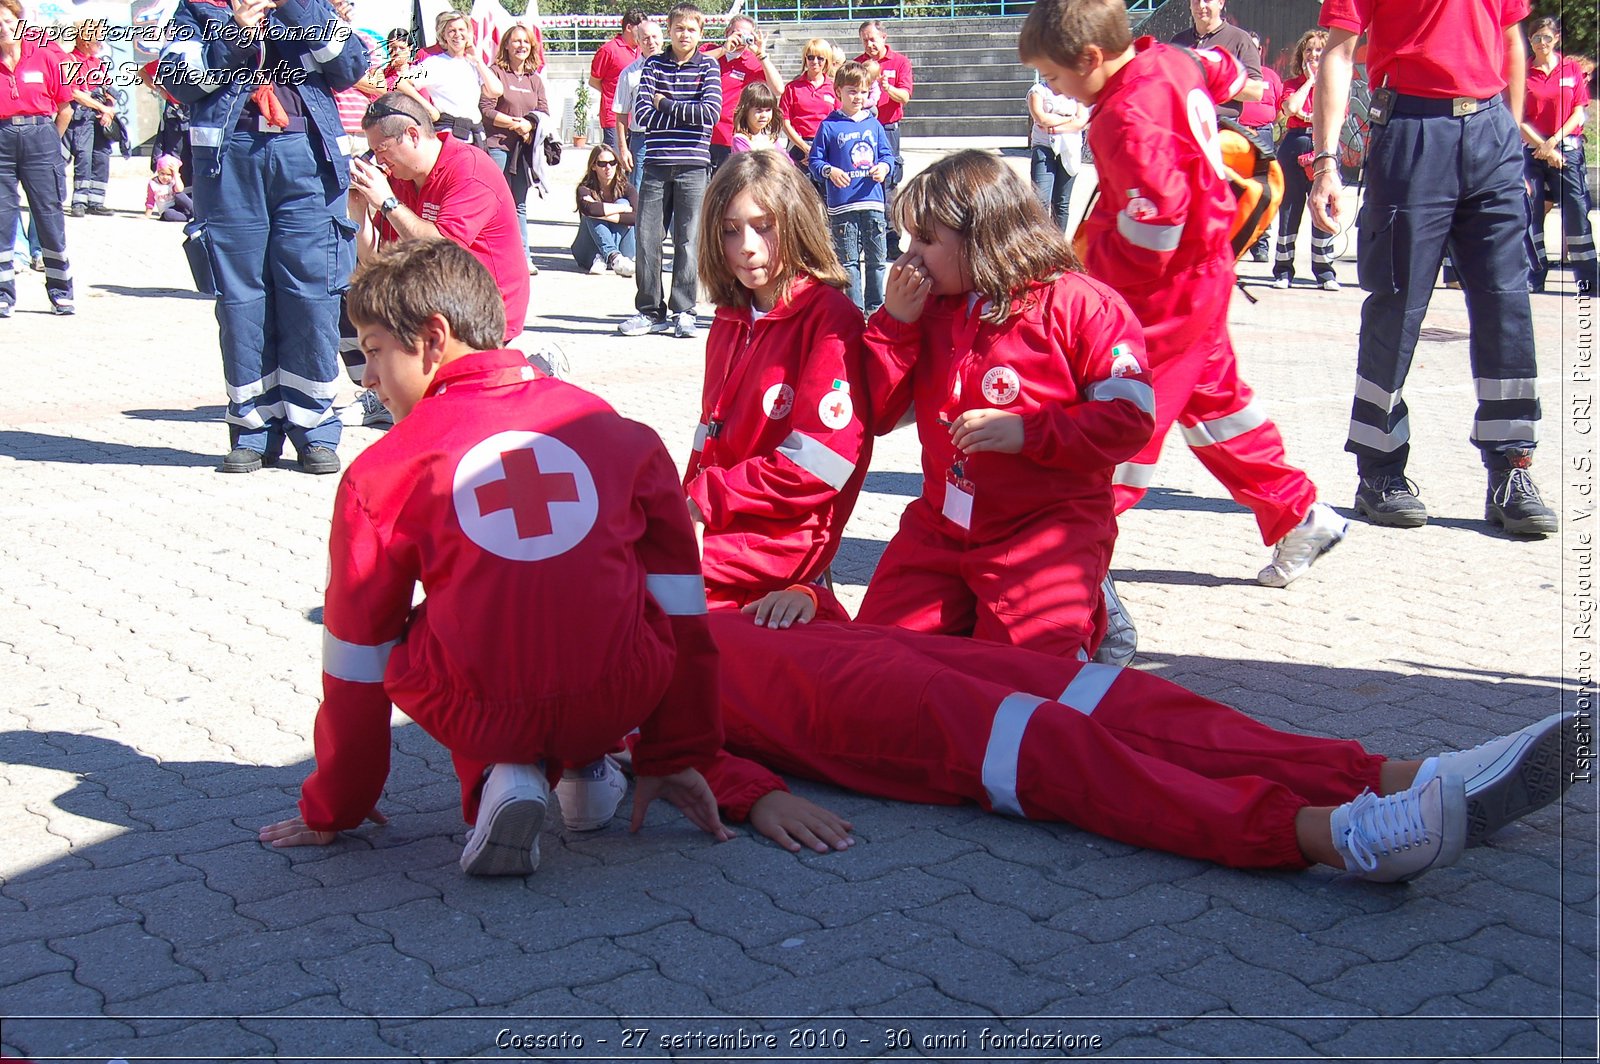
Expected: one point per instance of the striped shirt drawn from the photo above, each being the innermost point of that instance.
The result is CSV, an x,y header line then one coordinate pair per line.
x,y
678,133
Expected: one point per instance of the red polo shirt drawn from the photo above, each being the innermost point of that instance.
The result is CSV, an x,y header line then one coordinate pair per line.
x,y
1441,49
1263,112
805,105
896,68
85,73
466,196
1298,121
609,62
736,74
35,85
1552,97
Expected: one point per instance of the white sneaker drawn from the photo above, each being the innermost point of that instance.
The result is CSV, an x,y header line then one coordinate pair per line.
x,y
505,841
622,266
684,328
1280,282
549,358
1510,777
597,267
1330,285
1313,537
1401,836
589,796
1122,638
640,324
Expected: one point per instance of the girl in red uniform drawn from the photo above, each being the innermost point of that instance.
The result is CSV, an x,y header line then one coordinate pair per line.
x,y
782,447
1029,385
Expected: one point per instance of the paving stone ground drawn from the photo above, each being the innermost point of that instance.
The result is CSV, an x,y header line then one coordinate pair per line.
x,y
159,649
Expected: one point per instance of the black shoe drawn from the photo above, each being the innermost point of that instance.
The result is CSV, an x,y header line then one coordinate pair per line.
x,y
101,212
1258,254
1513,502
319,460
38,264
1390,500
78,210
242,460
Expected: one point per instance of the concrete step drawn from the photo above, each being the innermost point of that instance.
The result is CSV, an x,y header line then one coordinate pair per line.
x,y
1001,129
999,88
970,108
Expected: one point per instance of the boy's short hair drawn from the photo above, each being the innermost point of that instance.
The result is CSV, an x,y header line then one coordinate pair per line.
x,y
401,287
779,187
1006,238
851,75
1060,30
685,12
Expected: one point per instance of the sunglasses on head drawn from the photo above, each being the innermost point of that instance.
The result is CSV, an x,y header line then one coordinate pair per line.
x,y
379,111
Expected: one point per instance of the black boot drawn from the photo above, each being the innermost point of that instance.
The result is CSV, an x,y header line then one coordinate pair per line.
x,y
1513,502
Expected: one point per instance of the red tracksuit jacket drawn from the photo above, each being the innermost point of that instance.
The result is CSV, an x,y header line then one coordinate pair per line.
x,y
1164,208
782,447
564,601
1070,359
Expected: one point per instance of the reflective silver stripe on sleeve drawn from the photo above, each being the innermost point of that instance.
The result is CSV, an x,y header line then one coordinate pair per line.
x,y
1500,431
1368,392
188,52
1133,475
679,594
330,51
1005,746
1223,429
1138,393
205,136
1375,439
700,437
347,143
1515,388
818,459
1089,687
1150,237
354,661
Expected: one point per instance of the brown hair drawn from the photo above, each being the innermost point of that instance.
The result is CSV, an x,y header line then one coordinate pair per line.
x,y
851,75
1297,58
805,245
401,287
756,96
618,189
1007,241
13,6
1545,23
684,12
1061,30
502,54
393,113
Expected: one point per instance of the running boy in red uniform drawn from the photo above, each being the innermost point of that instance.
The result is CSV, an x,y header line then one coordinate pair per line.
x,y
1159,235
564,601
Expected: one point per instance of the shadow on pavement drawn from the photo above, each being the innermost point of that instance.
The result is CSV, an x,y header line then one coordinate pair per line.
x,y
43,447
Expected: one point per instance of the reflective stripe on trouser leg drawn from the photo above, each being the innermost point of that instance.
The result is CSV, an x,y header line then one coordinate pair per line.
x,y
350,353
1575,224
1490,245
1296,187
30,156
1321,255
1412,190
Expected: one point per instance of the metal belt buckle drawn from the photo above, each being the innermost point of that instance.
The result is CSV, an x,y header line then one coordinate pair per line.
x,y
1463,105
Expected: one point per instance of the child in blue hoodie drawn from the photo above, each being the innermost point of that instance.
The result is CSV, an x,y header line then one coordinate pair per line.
x,y
851,157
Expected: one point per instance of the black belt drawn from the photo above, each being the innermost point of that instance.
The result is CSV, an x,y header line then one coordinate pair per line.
x,y
1459,106
28,120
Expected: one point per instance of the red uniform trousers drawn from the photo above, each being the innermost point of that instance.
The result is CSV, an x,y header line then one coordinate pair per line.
x,y
566,729
936,719
1038,588
1197,384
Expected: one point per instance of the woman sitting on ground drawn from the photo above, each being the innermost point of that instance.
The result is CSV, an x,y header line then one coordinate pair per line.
x,y
605,216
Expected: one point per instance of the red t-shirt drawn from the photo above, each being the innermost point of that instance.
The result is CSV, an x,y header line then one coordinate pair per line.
x,y
896,69
736,74
1553,97
609,62
1263,112
85,73
805,105
466,196
1300,120
1440,49
35,86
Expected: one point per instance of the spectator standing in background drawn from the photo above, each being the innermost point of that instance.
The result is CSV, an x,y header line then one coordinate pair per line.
x,y
32,119
742,59
88,70
1552,126
1211,30
1298,102
808,99
456,79
511,120
894,88
607,66
1057,145
630,141
1260,117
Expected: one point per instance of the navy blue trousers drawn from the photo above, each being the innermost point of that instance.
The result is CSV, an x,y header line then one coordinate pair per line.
x,y
30,156
1435,180
281,247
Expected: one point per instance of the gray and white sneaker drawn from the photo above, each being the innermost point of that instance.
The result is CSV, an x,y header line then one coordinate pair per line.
x,y
505,840
684,327
640,324
589,796
367,410
621,265
1400,836
1121,640
1509,777
549,358
1316,535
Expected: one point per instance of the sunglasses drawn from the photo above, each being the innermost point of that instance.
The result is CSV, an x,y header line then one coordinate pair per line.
x,y
1543,38
605,162
818,58
379,111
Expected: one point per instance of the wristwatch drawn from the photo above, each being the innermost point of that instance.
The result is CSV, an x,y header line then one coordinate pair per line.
x,y
388,205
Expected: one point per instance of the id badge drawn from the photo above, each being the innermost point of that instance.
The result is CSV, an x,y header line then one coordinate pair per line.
x,y
1381,106
958,499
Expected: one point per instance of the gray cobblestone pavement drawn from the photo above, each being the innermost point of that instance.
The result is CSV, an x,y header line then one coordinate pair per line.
x,y
159,657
